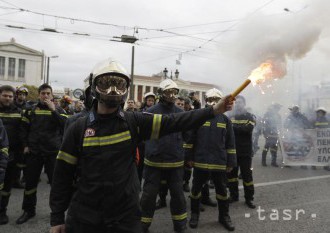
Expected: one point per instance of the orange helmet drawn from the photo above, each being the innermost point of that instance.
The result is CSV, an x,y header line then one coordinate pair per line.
x,y
66,99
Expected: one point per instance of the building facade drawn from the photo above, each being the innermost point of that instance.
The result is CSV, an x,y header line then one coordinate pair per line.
x,y
20,65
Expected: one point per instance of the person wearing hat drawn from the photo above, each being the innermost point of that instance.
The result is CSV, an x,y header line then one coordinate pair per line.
x,y
321,121
296,120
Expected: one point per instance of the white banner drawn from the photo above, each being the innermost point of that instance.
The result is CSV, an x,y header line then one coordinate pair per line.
x,y
306,147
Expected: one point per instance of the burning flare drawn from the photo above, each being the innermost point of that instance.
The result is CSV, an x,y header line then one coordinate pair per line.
x,y
259,75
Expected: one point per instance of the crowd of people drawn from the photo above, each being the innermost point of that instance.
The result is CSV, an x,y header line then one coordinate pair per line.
x,y
97,152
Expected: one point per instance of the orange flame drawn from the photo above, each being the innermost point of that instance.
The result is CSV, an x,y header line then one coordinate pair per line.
x,y
262,73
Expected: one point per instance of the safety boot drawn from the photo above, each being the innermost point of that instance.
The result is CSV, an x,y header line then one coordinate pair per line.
x,y
25,217
227,223
3,218
250,204
193,222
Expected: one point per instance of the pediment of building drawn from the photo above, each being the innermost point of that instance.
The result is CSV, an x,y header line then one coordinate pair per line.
x,y
17,48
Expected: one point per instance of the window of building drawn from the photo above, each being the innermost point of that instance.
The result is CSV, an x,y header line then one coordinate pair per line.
x,y
155,90
147,89
2,66
139,94
21,68
11,68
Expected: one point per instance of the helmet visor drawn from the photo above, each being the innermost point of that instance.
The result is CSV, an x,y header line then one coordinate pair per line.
x,y
212,100
111,85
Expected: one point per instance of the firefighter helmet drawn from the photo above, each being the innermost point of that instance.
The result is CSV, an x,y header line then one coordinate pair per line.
x,y
22,89
321,109
168,90
213,96
110,82
146,95
66,100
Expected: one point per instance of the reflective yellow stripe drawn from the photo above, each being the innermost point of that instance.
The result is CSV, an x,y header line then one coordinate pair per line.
x,y
195,197
233,180
179,217
25,120
64,115
5,194
146,220
188,146
231,151
321,123
107,140
20,165
221,125
5,151
10,115
163,165
210,166
43,112
31,191
248,183
156,123
1,186
242,122
221,198
207,123
67,157
252,123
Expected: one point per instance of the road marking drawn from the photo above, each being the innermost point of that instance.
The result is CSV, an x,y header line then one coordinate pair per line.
x,y
290,181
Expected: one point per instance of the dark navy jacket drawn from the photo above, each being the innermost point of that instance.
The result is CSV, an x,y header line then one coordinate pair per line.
x,y
213,145
166,152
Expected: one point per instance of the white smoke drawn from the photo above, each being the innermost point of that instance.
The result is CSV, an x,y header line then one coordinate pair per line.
x,y
287,36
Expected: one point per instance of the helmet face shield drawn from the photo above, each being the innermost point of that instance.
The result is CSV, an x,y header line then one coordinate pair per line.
x,y
212,100
170,94
111,85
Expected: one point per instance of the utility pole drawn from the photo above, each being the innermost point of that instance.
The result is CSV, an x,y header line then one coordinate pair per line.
x,y
130,40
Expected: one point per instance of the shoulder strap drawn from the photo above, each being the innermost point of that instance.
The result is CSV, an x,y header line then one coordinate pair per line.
x,y
133,128
80,128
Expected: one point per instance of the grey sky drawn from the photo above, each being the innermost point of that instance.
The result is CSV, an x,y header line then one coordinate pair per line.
x,y
244,32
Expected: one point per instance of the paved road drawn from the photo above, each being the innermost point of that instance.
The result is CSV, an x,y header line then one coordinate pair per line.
x,y
289,200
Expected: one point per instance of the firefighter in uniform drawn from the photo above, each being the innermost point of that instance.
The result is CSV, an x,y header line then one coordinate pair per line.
x,y
11,117
3,156
149,101
271,130
41,133
243,124
107,196
164,159
212,154
20,101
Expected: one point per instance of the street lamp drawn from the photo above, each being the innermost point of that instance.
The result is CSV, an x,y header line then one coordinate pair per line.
x,y
176,74
130,40
165,71
48,60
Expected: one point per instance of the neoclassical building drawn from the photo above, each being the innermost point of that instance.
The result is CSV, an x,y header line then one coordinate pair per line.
x,y
20,65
